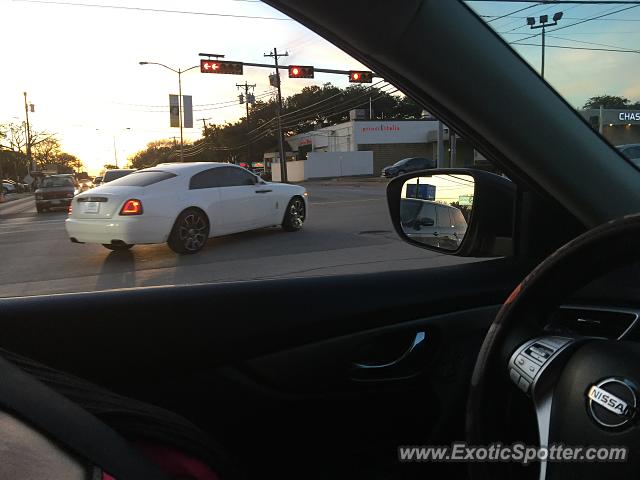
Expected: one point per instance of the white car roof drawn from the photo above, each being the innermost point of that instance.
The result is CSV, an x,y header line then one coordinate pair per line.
x,y
188,168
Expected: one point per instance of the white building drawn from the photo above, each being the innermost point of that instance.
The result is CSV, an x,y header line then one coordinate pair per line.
x,y
382,142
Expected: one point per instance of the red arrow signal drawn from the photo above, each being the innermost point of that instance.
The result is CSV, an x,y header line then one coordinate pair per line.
x,y
221,66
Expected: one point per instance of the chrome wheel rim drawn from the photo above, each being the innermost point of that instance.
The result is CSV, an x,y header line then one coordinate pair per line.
x,y
193,232
296,213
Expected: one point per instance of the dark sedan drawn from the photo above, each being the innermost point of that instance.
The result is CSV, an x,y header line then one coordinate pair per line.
x,y
407,165
55,191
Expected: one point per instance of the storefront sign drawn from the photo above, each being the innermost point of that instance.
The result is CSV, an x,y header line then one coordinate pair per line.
x,y
629,116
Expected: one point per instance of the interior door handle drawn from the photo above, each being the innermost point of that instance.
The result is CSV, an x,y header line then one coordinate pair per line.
x,y
263,191
405,366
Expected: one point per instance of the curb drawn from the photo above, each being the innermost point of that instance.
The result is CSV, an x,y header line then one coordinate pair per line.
x,y
15,201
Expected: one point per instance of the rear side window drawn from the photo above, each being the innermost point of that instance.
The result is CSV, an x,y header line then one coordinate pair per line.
x,y
142,179
444,221
428,212
112,175
458,219
207,179
236,177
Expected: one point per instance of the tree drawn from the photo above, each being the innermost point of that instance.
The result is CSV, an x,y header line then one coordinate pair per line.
x,y
155,153
46,152
69,162
110,166
607,101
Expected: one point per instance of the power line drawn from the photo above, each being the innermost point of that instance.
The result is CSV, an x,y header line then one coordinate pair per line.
x,y
617,47
576,48
511,13
165,109
288,115
582,21
155,10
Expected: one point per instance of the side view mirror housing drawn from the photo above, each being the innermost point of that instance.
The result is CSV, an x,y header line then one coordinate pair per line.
x,y
464,212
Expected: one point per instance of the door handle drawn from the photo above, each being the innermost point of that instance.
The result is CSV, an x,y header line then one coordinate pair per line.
x,y
405,366
263,191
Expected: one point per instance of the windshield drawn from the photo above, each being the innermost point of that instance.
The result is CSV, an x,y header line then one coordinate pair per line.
x,y
587,50
142,179
53,182
190,89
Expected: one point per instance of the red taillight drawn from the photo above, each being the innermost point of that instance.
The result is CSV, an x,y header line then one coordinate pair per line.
x,y
131,207
70,209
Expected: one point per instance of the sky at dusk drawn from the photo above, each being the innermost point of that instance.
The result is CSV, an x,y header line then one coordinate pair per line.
x,y
80,64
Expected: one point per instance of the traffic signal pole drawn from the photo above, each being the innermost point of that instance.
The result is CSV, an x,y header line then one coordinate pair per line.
x,y
283,160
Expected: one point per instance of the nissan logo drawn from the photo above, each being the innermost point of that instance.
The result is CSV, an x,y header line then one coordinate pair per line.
x,y
612,402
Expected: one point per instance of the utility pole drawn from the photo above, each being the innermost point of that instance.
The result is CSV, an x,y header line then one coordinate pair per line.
x,y
544,23
204,124
283,160
115,151
248,98
28,133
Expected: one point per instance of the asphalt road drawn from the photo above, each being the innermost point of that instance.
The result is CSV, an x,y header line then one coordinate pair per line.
x,y
347,231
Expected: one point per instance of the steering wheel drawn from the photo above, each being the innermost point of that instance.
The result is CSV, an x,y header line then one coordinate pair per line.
x,y
585,390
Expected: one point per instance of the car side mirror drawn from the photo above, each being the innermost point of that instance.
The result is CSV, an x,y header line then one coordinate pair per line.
x,y
471,211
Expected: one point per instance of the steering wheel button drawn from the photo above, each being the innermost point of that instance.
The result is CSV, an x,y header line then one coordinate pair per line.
x,y
527,366
514,375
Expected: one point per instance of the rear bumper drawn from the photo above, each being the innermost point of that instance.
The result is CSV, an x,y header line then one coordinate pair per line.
x,y
54,203
131,230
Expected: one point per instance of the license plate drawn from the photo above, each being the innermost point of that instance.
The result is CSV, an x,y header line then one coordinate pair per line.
x,y
55,202
91,207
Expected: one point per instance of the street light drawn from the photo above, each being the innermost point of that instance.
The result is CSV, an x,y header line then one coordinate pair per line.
x,y
544,22
179,72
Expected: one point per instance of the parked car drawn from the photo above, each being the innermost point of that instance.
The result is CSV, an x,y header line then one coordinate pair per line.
x,y
631,151
114,174
183,204
19,187
56,191
86,184
433,223
8,187
407,165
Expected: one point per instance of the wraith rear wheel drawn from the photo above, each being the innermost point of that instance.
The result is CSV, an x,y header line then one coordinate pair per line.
x,y
190,232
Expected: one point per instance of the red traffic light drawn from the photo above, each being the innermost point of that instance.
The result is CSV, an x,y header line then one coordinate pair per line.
x,y
359,76
220,66
300,71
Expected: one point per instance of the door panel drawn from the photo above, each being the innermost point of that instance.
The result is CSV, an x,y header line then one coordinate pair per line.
x,y
238,206
266,199
264,370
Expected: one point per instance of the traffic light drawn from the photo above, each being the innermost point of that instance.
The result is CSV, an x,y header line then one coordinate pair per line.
x,y
359,76
300,71
221,66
